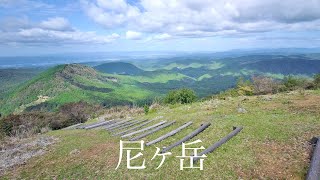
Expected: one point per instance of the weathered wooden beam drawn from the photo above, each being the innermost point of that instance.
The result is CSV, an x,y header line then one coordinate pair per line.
x,y
189,136
210,149
128,125
133,128
314,169
100,120
90,124
152,131
99,124
107,127
111,129
169,134
72,126
144,129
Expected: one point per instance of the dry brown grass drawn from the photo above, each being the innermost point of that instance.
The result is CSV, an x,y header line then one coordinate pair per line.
x,y
122,112
310,103
277,161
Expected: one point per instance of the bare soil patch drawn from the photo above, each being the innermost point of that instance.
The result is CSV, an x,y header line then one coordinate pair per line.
x,y
15,152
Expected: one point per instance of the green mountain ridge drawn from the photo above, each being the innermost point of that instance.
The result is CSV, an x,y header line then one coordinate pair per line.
x,y
122,83
119,68
10,78
71,83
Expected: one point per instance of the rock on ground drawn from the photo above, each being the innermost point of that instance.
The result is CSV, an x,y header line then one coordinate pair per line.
x,y
242,110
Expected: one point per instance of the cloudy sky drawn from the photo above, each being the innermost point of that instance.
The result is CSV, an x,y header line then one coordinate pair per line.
x,y
57,26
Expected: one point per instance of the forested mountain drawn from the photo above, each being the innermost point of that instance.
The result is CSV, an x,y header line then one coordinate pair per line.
x,y
115,83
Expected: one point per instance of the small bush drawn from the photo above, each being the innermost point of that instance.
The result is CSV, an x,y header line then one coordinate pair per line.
x,y
244,87
146,109
316,81
29,123
182,96
24,124
264,85
291,83
294,83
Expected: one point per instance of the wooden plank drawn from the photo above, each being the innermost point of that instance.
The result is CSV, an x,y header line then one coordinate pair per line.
x,y
169,134
91,124
133,128
121,125
152,131
72,126
314,169
219,143
100,120
189,136
128,125
99,124
116,124
144,129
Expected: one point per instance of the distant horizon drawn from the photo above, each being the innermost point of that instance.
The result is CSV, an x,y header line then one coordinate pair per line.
x,y
37,27
48,60
163,52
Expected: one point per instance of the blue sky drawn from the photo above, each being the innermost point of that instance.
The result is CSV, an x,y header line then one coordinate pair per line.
x,y
32,27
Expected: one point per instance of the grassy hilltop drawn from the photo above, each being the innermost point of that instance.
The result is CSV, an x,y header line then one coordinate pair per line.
x,y
272,145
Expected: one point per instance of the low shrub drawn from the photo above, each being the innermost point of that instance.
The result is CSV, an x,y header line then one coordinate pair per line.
x,y
25,123
29,123
291,83
244,87
316,81
181,96
264,85
146,109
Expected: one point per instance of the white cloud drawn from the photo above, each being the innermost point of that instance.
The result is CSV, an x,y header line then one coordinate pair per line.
x,y
162,36
110,13
56,23
38,35
133,35
13,23
116,5
52,31
205,17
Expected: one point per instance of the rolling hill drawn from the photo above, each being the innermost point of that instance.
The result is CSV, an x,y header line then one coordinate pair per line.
x,y
119,83
72,83
10,78
75,82
119,68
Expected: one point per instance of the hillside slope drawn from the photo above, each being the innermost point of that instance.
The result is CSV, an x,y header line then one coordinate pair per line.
x,y
272,145
71,83
242,65
74,82
10,78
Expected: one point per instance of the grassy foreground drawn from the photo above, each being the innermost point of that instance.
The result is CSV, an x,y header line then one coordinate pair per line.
x,y
272,145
